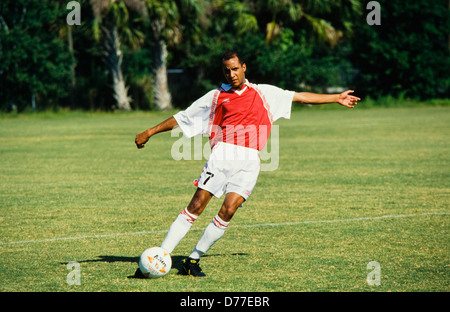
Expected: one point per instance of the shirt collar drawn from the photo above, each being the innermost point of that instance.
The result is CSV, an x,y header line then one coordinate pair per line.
x,y
227,87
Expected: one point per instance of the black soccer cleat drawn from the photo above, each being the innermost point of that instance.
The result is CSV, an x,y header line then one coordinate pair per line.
x,y
191,267
139,274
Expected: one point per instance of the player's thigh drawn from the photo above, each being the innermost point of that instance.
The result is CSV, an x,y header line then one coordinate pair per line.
x,y
214,177
244,180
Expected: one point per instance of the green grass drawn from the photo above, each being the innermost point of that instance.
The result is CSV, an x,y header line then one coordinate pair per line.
x,y
73,187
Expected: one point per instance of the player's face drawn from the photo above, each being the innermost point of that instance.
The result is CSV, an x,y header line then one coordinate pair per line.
x,y
234,72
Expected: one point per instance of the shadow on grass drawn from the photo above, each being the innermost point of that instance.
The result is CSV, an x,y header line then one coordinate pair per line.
x,y
177,261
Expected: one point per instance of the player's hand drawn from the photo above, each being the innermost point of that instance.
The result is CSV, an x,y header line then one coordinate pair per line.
x,y
348,100
141,139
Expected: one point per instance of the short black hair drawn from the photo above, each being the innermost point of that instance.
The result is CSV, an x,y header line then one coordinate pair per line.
x,y
232,53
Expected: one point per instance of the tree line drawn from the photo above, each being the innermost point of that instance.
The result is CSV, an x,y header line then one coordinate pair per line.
x,y
163,54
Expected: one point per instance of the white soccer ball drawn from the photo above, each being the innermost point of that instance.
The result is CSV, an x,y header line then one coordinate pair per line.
x,y
155,262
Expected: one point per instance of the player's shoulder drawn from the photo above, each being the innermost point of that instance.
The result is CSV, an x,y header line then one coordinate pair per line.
x,y
205,100
264,86
268,89
210,94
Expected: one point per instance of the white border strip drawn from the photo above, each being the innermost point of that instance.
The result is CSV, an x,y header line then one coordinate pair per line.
x,y
233,226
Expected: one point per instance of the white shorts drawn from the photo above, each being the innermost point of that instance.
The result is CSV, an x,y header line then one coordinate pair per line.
x,y
230,169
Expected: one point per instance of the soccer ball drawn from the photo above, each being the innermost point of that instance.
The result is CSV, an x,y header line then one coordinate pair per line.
x,y
155,262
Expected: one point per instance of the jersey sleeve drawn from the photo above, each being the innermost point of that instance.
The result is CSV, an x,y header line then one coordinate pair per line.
x,y
195,119
279,100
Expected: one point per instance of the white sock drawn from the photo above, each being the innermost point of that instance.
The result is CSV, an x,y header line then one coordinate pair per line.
x,y
213,232
178,230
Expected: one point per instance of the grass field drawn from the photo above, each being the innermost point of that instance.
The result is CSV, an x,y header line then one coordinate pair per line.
x,y
353,186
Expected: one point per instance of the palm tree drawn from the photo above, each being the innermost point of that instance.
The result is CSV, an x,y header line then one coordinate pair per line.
x,y
163,22
173,23
292,11
112,25
233,16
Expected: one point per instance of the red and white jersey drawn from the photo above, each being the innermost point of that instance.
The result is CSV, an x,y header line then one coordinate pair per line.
x,y
240,117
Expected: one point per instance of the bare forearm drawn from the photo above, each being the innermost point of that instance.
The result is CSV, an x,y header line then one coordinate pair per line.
x,y
166,125
315,98
344,98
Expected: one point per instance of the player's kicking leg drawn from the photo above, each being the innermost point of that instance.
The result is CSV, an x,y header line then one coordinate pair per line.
x,y
213,232
185,219
182,224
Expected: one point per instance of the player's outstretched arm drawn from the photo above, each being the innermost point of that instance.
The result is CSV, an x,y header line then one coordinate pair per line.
x,y
166,125
343,98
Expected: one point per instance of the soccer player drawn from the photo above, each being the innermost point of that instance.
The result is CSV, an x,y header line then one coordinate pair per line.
x,y
237,117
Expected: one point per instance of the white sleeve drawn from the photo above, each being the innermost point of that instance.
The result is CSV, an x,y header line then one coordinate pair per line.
x,y
279,100
195,119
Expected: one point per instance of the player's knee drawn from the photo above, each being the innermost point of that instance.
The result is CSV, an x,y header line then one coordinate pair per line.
x,y
227,212
198,203
196,206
